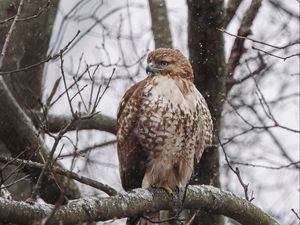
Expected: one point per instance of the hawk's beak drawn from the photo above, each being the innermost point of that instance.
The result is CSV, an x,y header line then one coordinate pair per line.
x,y
149,68
153,69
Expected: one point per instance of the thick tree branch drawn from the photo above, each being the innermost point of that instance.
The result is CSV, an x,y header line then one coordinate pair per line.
x,y
245,29
230,11
206,198
206,51
160,24
98,122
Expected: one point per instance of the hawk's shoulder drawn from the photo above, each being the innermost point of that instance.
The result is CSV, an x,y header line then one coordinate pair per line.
x,y
133,92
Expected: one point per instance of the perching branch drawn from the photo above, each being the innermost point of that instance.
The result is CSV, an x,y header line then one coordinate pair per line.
x,y
207,198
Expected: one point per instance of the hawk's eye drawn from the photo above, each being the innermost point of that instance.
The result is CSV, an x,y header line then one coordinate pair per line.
x,y
164,63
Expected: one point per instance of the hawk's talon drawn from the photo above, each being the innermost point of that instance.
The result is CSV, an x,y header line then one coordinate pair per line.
x,y
177,189
168,190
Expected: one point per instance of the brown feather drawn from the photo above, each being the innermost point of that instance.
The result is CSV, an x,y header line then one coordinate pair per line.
x,y
130,154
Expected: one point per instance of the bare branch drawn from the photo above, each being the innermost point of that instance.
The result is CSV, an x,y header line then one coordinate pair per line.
x,y
290,165
237,173
49,161
261,42
231,81
277,56
278,5
8,35
160,24
244,30
230,11
97,122
273,137
296,214
82,152
82,179
138,201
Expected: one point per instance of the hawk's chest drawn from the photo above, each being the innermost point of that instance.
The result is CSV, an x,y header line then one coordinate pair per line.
x,y
163,91
169,113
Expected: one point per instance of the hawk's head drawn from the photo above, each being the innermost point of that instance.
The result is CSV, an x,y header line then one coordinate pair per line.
x,y
167,61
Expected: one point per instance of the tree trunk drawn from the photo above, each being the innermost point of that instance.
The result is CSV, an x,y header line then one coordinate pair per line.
x,y
206,48
160,24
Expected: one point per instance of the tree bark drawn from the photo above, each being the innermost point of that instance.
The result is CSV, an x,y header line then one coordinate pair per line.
x,y
160,24
206,198
231,7
206,48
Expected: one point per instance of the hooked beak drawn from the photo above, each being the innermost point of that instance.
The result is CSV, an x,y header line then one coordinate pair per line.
x,y
153,69
149,68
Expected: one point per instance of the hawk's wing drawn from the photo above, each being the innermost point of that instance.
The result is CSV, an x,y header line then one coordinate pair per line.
x,y
131,156
207,128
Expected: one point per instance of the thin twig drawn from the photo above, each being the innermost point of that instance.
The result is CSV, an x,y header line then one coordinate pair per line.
x,y
65,84
231,81
41,10
98,98
297,215
273,137
279,6
15,182
48,163
237,173
276,56
261,42
293,164
88,149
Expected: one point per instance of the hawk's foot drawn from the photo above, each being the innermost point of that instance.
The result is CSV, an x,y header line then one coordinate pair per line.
x,y
169,190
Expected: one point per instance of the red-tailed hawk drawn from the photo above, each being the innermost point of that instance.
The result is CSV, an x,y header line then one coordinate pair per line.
x,y
163,124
